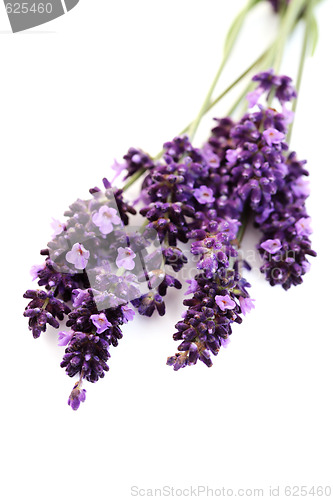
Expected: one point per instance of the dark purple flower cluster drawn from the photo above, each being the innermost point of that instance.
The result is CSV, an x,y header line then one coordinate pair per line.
x,y
44,309
92,333
206,326
135,161
91,248
182,197
261,176
285,244
169,193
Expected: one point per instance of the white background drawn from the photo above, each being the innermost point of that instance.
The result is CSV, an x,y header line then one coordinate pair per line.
x,y
75,94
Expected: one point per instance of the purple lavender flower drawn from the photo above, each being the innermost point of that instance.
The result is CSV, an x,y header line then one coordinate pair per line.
x,y
232,155
273,136
79,297
224,302
281,85
212,160
77,396
206,326
126,258
192,288
34,271
136,160
101,322
64,338
204,195
303,226
254,96
148,303
78,256
57,227
301,187
118,168
105,218
128,313
261,177
271,246
44,309
246,304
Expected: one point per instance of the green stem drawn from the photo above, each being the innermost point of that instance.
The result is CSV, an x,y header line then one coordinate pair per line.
x,y
275,52
231,86
244,222
229,45
134,178
264,61
287,25
307,30
47,300
224,93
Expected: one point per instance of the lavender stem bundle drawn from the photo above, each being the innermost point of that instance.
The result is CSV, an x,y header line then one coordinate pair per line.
x,y
98,271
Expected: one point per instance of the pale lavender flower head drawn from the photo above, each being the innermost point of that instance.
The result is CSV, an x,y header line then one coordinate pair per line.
x,y
204,195
64,338
57,226
128,313
101,322
78,256
77,396
225,302
271,246
273,136
126,258
105,218
246,304
303,226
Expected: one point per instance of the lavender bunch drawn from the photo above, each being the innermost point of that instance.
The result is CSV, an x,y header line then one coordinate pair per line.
x,y
97,268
